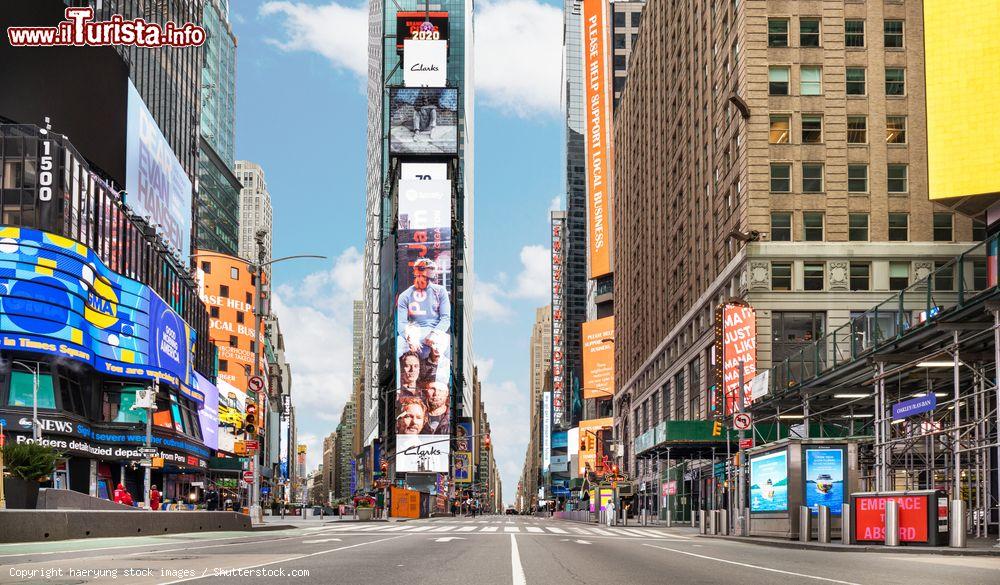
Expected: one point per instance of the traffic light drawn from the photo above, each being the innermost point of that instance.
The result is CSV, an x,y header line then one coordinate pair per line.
x,y
250,424
487,442
717,428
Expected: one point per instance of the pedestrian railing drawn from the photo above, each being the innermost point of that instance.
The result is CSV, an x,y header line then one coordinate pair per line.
x,y
951,285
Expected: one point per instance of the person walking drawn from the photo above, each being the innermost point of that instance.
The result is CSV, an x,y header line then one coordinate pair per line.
x,y
609,513
154,498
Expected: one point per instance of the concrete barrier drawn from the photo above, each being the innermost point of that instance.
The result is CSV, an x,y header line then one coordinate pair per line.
x,y
45,525
53,499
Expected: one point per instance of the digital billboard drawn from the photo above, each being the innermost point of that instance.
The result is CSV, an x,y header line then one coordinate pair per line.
x,y
769,482
409,171
425,63
598,358
58,297
961,82
232,414
591,435
157,186
423,121
462,467
423,327
598,133
735,343
421,25
208,414
824,481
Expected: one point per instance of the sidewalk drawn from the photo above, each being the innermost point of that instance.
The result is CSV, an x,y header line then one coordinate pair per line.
x,y
978,547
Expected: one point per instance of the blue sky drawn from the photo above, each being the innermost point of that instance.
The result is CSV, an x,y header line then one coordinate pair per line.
x,y
301,115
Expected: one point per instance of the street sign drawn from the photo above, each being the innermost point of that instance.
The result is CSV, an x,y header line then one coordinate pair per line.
x,y
914,406
248,476
240,447
256,383
746,443
252,445
148,451
146,462
157,462
742,421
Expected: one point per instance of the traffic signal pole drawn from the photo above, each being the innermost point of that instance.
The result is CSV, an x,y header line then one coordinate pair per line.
x,y
258,271
740,471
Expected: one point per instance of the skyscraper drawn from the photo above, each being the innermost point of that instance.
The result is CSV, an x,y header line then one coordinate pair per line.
x,y
255,210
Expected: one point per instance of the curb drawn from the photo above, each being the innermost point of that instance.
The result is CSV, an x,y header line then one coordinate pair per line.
x,y
271,527
944,551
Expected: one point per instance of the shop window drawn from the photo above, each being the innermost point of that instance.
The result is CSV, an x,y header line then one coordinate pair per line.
x,y
22,388
870,328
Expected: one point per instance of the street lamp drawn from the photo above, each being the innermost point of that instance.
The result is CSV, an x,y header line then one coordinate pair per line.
x,y
36,427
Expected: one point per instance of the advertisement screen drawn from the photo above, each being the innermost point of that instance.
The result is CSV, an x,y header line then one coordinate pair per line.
x,y
607,494
423,121
421,25
425,63
423,172
599,145
208,414
590,435
58,297
769,482
463,436
824,483
156,184
598,358
462,467
869,517
423,327
232,414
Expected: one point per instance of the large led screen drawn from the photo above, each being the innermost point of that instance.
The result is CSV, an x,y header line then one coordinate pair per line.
x,y
769,482
423,327
598,358
824,483
421,25
423,121
157,186
58,297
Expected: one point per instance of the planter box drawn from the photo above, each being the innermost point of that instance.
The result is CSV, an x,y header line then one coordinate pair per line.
x,y
365,513
20,494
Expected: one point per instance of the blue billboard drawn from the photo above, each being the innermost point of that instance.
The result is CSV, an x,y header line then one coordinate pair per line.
x,y
57,297
824,483
769,482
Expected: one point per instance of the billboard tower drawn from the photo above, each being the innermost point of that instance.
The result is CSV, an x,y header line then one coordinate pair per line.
x,y
416,351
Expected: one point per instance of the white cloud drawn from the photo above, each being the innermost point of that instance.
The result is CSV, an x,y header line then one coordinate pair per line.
x,y
535,279
518,47
488,300
533,282
338,33
519,56
556,204
507,407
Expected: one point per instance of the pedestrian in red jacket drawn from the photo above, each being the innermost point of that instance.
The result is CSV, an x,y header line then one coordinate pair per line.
x,y
154,498
122,496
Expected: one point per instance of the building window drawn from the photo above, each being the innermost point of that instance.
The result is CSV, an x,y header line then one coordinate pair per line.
x,y
861,276
944,275
620,63
857,130
781,276
978,231
857,227
857,178
777,32
206,267
893,34
792,330
224,291
780,128
234,341
223,365
240,318
619,19
213,312
895,129
943,227
777,77
812,177
234,273
636,19
781,226
811,81
619,41
854,33
116,404
856,83
813,275
896,178
781,177
809,32
895,81
812,129
22,388
899,227
899,275
812,226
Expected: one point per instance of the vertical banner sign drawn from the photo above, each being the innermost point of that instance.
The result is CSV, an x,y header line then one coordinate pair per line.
x,y
735,342
598,358
423,327
546,431
598,139
558,320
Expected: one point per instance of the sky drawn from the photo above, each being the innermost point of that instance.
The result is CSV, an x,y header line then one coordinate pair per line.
x,y
301,114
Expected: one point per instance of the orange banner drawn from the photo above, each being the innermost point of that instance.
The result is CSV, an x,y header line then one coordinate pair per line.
x,y
599,358
598,139
739,342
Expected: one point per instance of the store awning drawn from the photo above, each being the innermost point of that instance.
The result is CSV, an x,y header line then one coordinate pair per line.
x,y
225,464
686,439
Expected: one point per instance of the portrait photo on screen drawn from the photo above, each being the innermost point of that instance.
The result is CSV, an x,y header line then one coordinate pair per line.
x,y
423,121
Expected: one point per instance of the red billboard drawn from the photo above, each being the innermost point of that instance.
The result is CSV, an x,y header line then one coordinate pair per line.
x,y
735,343
869,519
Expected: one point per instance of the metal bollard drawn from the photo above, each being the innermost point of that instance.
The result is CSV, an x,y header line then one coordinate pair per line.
x,y
702,522
724,522
892,523
846,536
956,531
805,524
716,521
823,527
693,518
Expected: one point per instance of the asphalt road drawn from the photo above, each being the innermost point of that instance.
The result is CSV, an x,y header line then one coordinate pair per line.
x,y
466,551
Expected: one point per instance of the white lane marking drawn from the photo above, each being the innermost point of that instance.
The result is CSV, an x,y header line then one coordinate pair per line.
x,y
489,528
466,529
534,529
556,530
516,570
448,538
295,558
579,530
443,528
511,529
320,540
602,532
749,566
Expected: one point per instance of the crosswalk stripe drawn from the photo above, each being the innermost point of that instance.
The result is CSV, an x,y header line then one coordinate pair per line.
x,y
602,532
489,528
397,528
418,528
579,530
629,532
534,529
443,528
511,529
556,530
466,529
